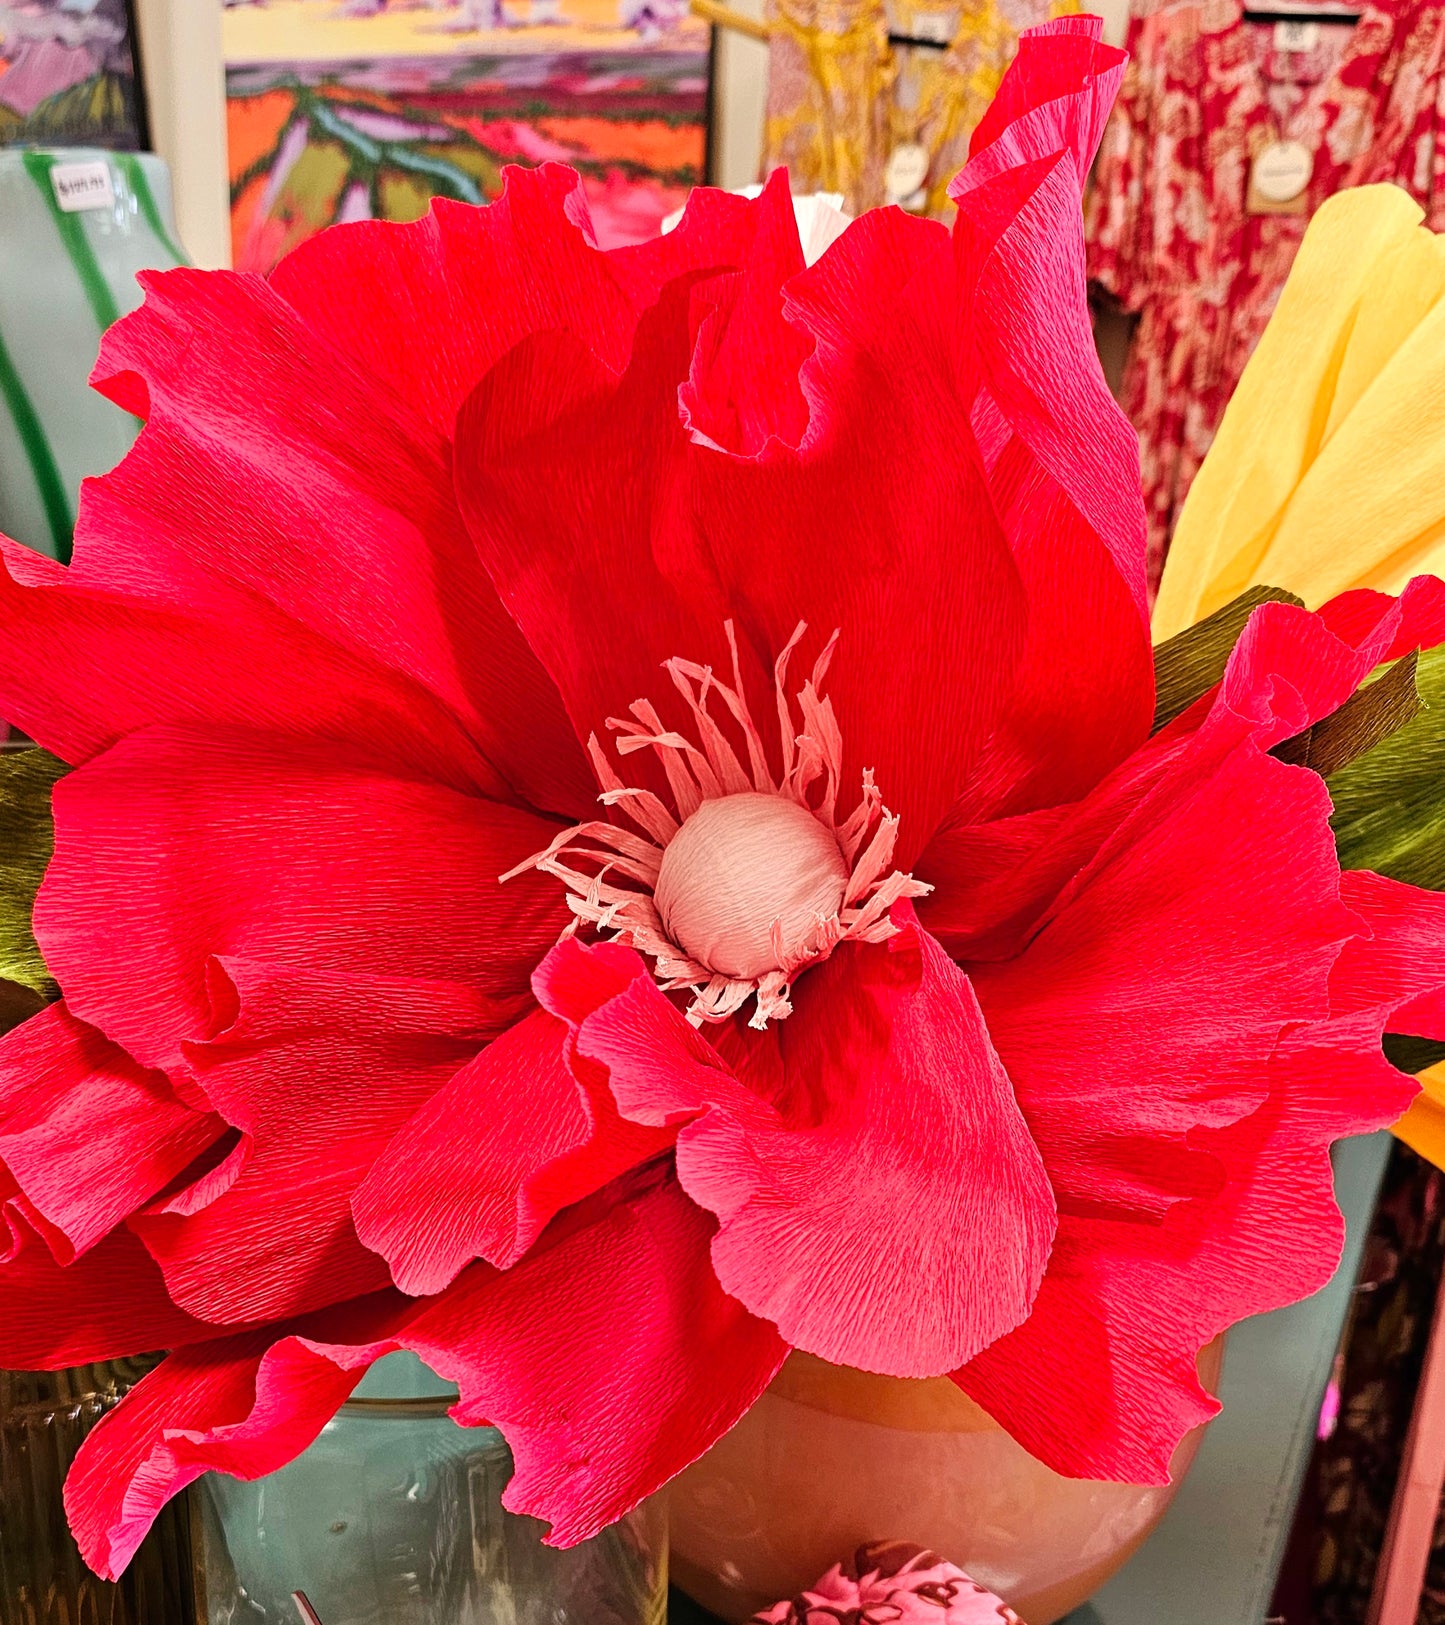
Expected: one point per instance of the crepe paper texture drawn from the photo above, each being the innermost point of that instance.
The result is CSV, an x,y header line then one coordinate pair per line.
x,y
26,839
616,827
894,1582
1189,664
820,216
1328,471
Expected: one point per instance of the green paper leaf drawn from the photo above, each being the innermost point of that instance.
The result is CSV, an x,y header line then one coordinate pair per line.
x,y
1390,802
1365,720
1192,662
27,838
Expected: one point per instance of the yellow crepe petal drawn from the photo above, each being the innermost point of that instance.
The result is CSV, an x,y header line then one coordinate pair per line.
x,y
1422,1128
1328,470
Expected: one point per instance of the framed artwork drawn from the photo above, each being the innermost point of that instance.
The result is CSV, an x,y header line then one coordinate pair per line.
x,y
69,75
367,109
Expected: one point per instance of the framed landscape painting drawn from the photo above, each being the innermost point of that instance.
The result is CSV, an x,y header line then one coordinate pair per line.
x,y
368,109
69,74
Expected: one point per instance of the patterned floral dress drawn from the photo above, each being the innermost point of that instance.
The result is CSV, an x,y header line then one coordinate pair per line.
x,y
1170,237
841,98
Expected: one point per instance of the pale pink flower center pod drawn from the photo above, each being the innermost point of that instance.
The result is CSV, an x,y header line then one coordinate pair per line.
x,y
747,879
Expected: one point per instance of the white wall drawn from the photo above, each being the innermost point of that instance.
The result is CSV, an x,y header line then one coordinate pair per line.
x,y
181,46
1116,18
740,96
180,43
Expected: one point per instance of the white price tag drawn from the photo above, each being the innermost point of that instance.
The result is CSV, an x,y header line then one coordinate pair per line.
x,y
906,172
1296,36
937,26
1282,171
82,186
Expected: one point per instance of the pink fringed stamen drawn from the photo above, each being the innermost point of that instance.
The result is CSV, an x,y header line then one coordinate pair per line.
x,y
722,758
611,872
785,716
646,810
860,821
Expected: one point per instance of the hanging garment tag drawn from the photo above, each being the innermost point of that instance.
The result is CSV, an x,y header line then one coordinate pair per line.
x,y
1294,35
82,186
1278,178
937,26
906,172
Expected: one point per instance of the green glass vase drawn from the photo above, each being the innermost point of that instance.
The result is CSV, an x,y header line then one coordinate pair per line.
x,y
394,1517
76,225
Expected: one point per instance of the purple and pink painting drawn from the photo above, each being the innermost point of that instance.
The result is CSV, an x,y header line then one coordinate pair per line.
x,y
68,74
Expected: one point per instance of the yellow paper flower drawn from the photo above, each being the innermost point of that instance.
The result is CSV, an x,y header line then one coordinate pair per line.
x,y
1328,471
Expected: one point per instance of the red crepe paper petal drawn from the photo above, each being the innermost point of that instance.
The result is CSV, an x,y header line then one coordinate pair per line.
x,y
539,443
610,1361
1264,1047
429,306
87,1134
576,977
743,387
498,1152
178,846
1061,459
1396,972
917,1168
83,662
886,468
1130,1303
267,1001
1416,619
244,1405
665,1071
1091,1384
316,1107
1152,1000
342,518
716,233
1056,98
993,882
110,1304
21,1224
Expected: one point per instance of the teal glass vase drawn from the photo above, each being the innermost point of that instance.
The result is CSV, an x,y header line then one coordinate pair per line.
x,y
76,225
394,1517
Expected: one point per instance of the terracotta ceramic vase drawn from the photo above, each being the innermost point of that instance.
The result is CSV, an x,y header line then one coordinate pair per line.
x,y
830,1459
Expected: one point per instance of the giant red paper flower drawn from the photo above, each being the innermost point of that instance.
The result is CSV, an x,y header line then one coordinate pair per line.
x,y
922,1010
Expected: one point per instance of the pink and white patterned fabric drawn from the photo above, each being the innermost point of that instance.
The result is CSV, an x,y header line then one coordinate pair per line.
x,y
1169,233
897,1583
